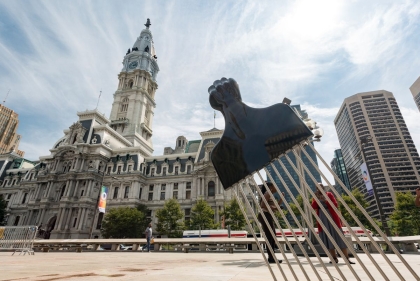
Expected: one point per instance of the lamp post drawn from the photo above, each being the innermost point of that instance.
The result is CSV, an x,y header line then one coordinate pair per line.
x,y
318,133
97,202
363,142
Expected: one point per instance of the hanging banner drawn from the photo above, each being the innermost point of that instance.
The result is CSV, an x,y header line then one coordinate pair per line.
x,y
366,179
102,199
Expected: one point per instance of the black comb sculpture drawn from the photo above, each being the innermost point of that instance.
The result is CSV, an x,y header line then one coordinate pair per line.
x,y
252,136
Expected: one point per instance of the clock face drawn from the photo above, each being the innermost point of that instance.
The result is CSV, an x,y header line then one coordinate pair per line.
x,y
133,65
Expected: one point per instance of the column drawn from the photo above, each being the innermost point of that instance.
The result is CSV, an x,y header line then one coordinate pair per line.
x,y
82,218
75,189
79,215
41,217
58,221
69,212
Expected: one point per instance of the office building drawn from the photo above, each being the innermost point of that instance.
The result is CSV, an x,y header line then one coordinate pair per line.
x,y
339,168
289,168
415,91
391,155
9,139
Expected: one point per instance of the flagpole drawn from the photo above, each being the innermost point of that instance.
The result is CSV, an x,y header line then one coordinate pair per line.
x,y
100,93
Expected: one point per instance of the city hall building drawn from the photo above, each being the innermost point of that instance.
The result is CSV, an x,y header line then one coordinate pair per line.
x,y
61,190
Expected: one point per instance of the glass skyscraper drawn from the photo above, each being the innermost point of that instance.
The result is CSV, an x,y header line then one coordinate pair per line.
x,y
292,172
339,168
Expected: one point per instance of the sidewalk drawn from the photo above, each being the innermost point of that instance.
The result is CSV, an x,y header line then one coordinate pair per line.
x,y
126,265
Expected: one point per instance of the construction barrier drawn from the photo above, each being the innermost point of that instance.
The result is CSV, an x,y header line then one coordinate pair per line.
x,y
18,239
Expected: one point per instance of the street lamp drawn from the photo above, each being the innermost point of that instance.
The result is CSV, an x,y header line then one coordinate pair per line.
x,y
363,142
97,202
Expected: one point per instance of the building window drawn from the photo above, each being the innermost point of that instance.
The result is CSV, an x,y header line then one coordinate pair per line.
x,y
150,196
126,191
188,185
211,188
175,194
175,186
109,170
16,223
24,198
163,187
176,170
188,194
82,193
162,196
115,192
152,173
140,192
74,222
63,189
99,223
164,171
187,214
119,170
151,187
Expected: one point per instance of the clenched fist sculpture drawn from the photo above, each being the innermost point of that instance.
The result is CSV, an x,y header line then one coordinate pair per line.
x,y
253,136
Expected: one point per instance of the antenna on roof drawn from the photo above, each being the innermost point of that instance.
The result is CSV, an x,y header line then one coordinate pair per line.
x,y
100,93
6,97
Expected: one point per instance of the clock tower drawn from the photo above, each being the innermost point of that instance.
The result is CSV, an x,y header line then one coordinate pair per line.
x,y
134,100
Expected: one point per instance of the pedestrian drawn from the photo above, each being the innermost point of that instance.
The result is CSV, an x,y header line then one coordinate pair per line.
x,y
329,226
418,197
266,227
148,233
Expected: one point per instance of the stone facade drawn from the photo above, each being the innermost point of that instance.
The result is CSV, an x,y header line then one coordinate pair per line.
x,y
61,190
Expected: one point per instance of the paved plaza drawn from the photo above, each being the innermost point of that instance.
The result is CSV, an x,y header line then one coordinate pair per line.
x,y
171,266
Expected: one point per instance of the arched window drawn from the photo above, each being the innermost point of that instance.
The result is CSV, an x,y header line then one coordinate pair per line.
x,y
130,84
211,188
124,105
126,191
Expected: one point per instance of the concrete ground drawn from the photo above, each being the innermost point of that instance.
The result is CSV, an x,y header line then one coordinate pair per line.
x,y
172,266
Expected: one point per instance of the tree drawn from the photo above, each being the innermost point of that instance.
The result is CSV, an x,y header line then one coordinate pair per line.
x,y
144,210
356,210
169,219
405,219
280,218
3,206
123,222
296,210
233,216
202,216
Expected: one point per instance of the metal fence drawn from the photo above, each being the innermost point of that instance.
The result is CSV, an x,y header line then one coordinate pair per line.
x,y
18,239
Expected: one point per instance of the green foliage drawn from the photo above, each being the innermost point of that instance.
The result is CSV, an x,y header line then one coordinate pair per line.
x,y
123,222
3,206
280,218
295,210
144,210
233,216
202,215
170,219
356,210
405,220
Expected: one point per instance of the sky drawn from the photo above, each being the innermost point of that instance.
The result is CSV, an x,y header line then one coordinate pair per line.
x,y
56,57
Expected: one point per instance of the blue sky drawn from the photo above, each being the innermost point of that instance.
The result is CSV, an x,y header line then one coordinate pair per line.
x,y
55,57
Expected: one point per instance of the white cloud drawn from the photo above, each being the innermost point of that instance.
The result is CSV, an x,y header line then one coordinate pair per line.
x,y
314,52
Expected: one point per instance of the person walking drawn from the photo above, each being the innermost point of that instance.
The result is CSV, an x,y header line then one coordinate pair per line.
x,y
329,226
266,227
148,233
